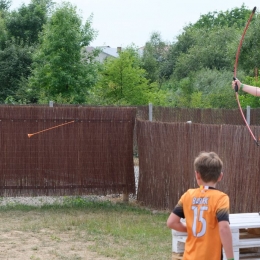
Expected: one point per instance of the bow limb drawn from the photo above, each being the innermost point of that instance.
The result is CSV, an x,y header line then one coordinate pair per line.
x,y
235,74
241,42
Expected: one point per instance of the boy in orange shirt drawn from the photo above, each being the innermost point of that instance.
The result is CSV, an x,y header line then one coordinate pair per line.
x,y
206,211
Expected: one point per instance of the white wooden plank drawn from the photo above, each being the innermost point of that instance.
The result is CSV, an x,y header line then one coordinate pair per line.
x,y
236,226
248,243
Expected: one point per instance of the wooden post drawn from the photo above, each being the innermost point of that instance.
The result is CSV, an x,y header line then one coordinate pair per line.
x,y
125,197
150,112
248,114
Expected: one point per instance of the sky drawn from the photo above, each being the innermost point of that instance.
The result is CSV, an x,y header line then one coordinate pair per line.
x,y
120,23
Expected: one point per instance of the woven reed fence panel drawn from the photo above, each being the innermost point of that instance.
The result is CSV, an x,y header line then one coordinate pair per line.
x,y
196,115
167,152
91,153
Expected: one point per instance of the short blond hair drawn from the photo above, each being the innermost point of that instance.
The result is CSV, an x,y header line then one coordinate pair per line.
x,y
209,165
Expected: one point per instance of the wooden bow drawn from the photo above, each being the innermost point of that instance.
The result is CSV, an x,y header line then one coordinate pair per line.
x,y
235,74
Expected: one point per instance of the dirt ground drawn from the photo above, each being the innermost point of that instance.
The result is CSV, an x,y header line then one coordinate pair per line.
x,y
43,246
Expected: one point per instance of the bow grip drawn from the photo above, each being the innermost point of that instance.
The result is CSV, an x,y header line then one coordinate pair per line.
x,y
236,86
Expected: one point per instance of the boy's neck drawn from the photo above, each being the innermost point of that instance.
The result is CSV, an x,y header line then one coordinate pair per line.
x,y
208,184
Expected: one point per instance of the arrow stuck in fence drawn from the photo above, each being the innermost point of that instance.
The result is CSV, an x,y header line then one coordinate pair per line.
x,y
30,135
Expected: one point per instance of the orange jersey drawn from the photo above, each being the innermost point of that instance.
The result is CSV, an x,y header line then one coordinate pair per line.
x,y
203,209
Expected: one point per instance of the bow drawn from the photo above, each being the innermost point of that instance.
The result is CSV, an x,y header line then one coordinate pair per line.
x,y
235,73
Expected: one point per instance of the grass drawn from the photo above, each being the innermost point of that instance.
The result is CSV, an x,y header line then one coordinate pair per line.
x,y
116,230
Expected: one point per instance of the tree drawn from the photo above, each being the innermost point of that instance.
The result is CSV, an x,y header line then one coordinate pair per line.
x,y
207,88
249,59
209,43
18,36
123,82
61,70
237,17
5,5
25,24
203,57
15,61
3,30
211,49
154,59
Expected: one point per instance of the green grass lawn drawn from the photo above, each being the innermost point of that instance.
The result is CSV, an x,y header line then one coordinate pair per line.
x,y
116,230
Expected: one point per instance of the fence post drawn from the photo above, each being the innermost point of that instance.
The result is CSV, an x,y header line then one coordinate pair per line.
x,y
150,112
125,194
248,114
125,197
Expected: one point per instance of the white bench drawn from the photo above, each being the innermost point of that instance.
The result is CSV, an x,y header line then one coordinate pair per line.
x,y
245,228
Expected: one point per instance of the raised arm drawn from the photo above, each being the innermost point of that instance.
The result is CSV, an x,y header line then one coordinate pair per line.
x,y
255,91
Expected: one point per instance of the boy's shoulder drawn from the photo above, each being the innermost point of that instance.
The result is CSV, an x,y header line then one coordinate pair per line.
x,y
199,191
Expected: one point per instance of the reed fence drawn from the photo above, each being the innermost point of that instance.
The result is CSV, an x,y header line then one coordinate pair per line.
x,y
86,150
92,152
167,151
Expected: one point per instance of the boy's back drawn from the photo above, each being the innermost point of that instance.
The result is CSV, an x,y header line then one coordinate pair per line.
x,y
203,209
206,211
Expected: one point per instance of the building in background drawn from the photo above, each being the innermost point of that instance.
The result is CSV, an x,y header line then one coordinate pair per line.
x,y
108,52
105,52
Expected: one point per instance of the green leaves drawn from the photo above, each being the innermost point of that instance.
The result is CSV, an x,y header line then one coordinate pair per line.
x,y
15,61
42,58
60,70
154,59
123,82
25,24
204,56
210,49
235,18
5,5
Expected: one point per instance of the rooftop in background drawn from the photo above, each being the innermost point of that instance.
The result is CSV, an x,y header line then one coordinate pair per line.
x,y
110,51
107,51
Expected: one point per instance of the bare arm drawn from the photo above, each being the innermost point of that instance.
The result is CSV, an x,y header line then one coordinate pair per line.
x,y
226,238
174,222
255,91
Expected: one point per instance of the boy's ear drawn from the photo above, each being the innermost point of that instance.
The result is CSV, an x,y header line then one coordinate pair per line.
x,y
220,176
197,175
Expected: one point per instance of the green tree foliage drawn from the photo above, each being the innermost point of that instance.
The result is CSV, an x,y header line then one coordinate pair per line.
x,y
15,61
203,59
194,71
18,36
207,88
5,5
123,82
61,71
211,49
184,41
154,59
249,59
25,24
236,17
3,31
